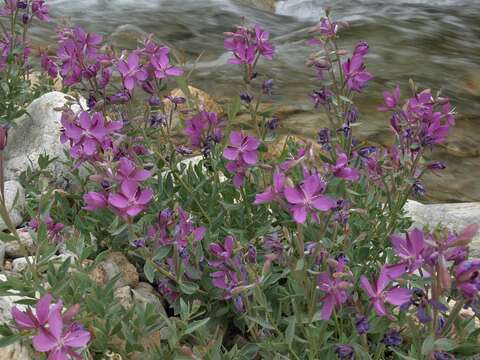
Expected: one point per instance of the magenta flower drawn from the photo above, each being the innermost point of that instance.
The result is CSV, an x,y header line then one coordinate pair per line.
x,y
28,320
391,100
131,200
9,8
127,171
243,54
202,127
361,48
87,44
242,147
327,28
335,289
222,252
87,132
467,276
49,66
273,192
239,169
59,340
378,295
40,10
264,47
343,171
355,74
131,71
308,198
410,248
94,201
161,64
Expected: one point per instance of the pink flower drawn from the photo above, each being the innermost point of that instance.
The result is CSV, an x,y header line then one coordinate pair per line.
x,y
29,320
272,192
161,64
342,170
94,201
40,10
355,74
128,171
410,248
335,289
264,47
242,147
391,99
131,200
131,71
60,341
307,198
378,295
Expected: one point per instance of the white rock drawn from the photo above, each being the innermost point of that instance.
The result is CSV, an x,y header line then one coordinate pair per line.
x,y
455,216
14,249
35,135
20,264
15,351
15,202
124,296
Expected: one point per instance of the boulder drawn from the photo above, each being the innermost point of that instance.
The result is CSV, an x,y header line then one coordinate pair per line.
x,y
116,263
124,296
15,249
35,134
15,202
456,216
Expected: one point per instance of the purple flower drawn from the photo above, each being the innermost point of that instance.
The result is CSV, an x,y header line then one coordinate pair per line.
x,y
222,252
321,97
307,198
378,295
94,201
161,64
467,276
345,352
343,171
243,54
60,340
131,200
28,320
392,338
49,66
40,10
264,47
203,126
242,147
410,248
9,8
128,171
361,48
391,100
267,86
273,192
335,289
87,43
355,74
440,355
246,97
361,324
327,27
131,71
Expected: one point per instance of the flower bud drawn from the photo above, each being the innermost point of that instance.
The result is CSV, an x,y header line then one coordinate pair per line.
x,y
3,136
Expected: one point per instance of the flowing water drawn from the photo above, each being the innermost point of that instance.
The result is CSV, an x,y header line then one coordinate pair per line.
x,y
435,42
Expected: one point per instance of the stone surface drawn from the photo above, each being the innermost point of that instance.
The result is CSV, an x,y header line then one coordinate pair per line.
x,y
20,264
145,294
36,134
116,263
124,296
14,249
455,216
15,202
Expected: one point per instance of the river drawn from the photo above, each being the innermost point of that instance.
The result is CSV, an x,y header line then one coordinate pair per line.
x,y
434,42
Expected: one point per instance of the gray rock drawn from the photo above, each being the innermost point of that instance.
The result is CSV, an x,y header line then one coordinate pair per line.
x,y
15,351
124,296
20,264
264,5
145,294
116,263
35,135
2,253
455,216
14,249
15,202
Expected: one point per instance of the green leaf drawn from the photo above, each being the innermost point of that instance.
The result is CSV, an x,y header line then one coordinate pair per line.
x,y
188,288
195,325
149,270
444,344
402,356
263,323
290,333
8,340
428,345
161,253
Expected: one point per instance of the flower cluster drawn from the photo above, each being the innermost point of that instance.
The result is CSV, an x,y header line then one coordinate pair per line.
x,y
204,129
247,45
55,333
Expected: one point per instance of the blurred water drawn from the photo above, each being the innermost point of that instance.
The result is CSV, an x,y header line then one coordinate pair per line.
x,y
435,42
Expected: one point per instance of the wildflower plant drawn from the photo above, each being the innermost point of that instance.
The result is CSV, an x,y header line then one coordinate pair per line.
x,y
302,255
